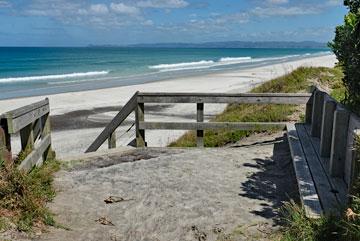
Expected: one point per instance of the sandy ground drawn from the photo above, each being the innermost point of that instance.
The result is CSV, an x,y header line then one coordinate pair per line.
x,y
80,116
220,194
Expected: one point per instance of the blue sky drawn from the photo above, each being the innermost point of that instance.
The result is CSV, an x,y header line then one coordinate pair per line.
x,y
83,22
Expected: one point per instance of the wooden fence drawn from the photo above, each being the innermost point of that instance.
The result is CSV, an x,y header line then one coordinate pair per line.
x,y
138,100
333,128
32,122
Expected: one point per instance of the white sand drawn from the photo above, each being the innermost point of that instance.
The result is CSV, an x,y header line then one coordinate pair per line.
x,y
75,142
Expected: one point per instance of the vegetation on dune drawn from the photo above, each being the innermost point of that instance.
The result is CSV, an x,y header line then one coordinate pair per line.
x,y
298,81
346,46
23,196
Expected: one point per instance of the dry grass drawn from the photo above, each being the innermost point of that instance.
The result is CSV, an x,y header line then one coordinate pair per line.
x,y
23,197
298,81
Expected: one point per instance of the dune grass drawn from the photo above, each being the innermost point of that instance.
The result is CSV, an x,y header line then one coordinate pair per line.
x,y
299,80
330,228
23,196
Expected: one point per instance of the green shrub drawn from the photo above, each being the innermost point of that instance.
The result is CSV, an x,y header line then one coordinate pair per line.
x,y
346,47
23,196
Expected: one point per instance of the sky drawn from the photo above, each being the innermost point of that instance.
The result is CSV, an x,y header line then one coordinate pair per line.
x,y
121,22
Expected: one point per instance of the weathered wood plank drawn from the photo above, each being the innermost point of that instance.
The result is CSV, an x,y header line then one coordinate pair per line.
x,y
308,195
354,125
317,113
38,128
327,127
27,138
17,122
112,141
309,110
200,118
115,123
35,155
26,109
339,143
7,139
140,132
338,185
46,131
5,154
324,189
250,98
256,126
190,94
355,169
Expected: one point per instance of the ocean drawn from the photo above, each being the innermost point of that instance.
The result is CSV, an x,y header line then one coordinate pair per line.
x,y
43,71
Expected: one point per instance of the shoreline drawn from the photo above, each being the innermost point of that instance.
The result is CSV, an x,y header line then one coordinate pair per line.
x,y
103,78
78,117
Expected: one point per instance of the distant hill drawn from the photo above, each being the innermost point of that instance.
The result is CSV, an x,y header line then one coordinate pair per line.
x,y
235,44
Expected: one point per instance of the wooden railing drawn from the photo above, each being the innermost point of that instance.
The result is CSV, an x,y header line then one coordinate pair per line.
x,y
33,124
334,128
138,101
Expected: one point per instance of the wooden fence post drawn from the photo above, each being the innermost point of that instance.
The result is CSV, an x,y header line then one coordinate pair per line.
x,y
5,153
49,153
327,128
339,142
200,118
139,116
317,112
309,106
355,162
27,138
112,140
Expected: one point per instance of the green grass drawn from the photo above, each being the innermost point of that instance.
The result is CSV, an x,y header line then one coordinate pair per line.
x,y
330,228
23,197
299,80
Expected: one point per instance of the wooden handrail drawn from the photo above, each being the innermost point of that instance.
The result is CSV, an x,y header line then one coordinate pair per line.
x,y
137,103
114,124
23,116
33,122
228,98
255,126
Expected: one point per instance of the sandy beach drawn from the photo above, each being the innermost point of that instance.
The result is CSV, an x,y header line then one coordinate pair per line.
x,y
79,117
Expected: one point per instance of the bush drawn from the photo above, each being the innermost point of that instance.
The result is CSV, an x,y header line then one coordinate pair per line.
x,y
23,196
346,47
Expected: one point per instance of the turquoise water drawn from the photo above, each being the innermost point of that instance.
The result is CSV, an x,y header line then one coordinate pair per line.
x,y
39,71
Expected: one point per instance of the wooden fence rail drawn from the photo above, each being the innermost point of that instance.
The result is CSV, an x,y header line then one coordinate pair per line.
x,y
33,123
139,99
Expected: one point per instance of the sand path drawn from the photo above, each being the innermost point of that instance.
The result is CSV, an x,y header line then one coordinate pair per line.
x,y
177,194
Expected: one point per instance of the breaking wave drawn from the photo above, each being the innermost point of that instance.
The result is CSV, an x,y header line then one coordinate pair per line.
x,y
53,77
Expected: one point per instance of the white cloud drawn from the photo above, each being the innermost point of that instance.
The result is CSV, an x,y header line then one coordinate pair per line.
x,y
236,18
277,1
4,4
124,9
335,2
148,23
81,13
162,3
284,11
99,9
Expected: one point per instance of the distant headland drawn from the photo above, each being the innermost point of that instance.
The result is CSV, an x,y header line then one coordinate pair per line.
x,y
228,44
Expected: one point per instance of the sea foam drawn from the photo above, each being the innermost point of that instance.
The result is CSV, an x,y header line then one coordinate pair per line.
x,y
53,77
203,64
206,64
